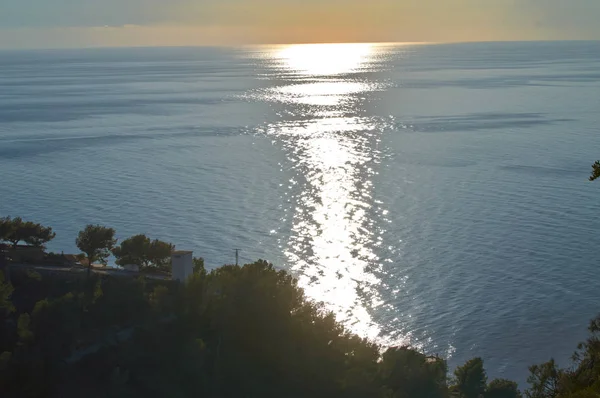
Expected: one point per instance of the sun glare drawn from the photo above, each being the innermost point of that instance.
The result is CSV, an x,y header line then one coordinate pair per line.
x,y
325,59
332,243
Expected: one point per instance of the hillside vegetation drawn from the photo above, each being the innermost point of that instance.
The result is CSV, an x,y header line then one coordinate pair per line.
x,y
244,331
236,331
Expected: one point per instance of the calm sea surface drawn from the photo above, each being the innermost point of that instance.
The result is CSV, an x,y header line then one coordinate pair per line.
x,y
429,194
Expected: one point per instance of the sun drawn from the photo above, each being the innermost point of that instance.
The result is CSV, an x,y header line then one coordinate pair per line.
x,y
324,59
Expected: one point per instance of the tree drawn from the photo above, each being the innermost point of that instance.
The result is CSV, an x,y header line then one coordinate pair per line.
x,y
502,388
232,332
595,171
6,226
582,380
24,329
96,242
6,291
585,379
544,380
133,250
199,266
15,230
409,373
59,316
38,235
143,252
470,379
159,254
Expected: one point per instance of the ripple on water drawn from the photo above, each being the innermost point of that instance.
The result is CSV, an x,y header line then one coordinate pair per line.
x,y
335,153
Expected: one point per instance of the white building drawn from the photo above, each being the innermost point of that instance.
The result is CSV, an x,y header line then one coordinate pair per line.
x,y
182,263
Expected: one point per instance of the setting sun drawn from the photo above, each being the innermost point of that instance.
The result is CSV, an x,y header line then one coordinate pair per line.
x,y
324,59
299,198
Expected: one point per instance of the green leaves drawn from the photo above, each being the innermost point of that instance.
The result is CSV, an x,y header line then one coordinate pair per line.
x,y
409,373
159,254
141,251
199,266
6,228
544,380
133,251
15,230
96,242
6,290
244,332
24,329
502,388
595,171
470,379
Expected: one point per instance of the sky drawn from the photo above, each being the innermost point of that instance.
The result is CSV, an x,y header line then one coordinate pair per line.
x,y
101,23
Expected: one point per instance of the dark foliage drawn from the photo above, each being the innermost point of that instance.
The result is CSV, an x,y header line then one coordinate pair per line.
x,y
147,254
96,242
233,332
470,379
408,373
502,388
595,171
15,230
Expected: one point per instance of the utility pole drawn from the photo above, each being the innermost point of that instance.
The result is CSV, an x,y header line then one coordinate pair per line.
x,y
237,255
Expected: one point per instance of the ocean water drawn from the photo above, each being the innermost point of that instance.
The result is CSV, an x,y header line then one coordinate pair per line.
x,y
433,195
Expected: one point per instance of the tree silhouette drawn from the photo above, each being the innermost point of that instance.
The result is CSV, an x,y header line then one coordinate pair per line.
x,y
470,379
143,252
502,388
96,242
15,230
544,380
595,171
6,227
6,290
408,373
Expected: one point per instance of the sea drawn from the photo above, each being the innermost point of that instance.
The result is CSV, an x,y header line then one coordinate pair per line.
x,y
434,195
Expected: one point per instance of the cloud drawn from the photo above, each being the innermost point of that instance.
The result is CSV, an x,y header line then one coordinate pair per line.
x,y
68,23
137,36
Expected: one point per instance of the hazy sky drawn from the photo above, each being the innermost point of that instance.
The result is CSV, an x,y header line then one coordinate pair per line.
x,y
84,23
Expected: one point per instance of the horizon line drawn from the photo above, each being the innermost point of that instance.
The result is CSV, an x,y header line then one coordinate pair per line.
x,y
241,45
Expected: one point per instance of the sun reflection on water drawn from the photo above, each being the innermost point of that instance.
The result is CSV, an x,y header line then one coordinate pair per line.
x,y
325,59
334,148
331,236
